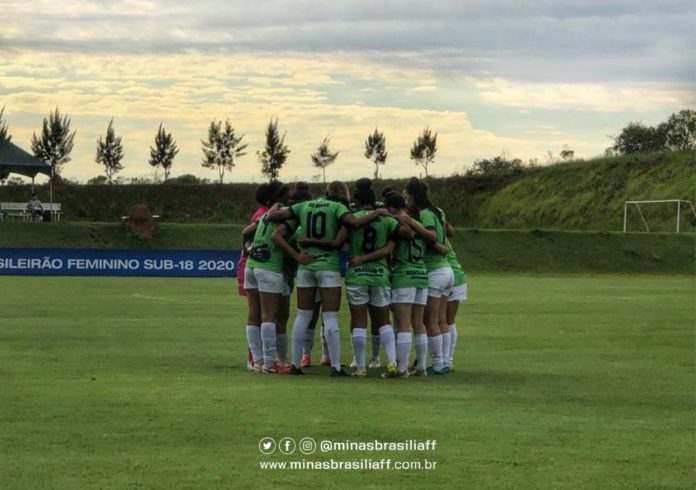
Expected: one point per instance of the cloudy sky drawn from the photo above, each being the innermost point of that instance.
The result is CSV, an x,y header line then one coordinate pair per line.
x,y
520,77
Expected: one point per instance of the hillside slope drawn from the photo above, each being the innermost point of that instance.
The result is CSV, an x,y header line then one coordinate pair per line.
x,y
582,195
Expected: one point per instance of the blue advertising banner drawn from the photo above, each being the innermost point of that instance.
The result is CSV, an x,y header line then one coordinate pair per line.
x,y
105,262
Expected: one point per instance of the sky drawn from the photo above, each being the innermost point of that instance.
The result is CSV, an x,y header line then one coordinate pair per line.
x,y
519,78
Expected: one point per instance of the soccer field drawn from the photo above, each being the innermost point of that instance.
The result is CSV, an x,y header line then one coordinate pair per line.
x,y
560,381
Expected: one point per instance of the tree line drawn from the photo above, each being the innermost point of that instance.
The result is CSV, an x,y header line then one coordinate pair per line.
x,y
222,149
224,146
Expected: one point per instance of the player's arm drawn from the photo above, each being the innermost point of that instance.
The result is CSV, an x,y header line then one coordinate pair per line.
x,y
378,254
351,221
428,234
440,248
248,236
335,244
277,213
279,238
449,229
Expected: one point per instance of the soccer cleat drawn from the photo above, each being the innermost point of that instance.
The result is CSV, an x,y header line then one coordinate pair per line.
x,y
437,372
402,374
325,361
450,366
360,373
336,373
354,362
415,372
295,371
374,363
306,361
391,371
276,369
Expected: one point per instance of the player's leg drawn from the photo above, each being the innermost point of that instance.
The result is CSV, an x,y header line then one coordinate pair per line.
x,y
420,333
402,306
380,313
358,304
271,287
253,326
376,342
306,291
452,309
330,289
282,327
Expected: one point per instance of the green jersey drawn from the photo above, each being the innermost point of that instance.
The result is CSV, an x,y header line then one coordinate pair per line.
x,y
264,253
459,274
408,268
320,219
365,240
430,221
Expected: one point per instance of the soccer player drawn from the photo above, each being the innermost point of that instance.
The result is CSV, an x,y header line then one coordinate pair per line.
x,y
459,293
254,308
409,292
264,276
440,274
319,219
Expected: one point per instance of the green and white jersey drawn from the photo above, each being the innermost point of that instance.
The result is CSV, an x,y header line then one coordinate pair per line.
x,y
365,240
434,260
408,267
264,253
459,274
320,219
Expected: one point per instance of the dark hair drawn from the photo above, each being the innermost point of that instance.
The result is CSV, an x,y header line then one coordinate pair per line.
x,y
301,186
337,191
262,194
394,200
418,189
386,191
364,195
277,191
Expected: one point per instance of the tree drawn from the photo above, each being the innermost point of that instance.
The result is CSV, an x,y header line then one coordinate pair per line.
x,y
636,138
275,152
323,157
680,131
424,149
110,152
497,164
567,153
4,136
98,180
162,155
376,150
56,141
222,148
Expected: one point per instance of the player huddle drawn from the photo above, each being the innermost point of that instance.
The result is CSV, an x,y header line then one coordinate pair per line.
x,y
401,264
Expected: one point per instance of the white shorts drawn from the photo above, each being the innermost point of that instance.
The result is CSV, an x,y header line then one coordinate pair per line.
x,y
372,295
414,296
440,282
459,293
265,281
318,279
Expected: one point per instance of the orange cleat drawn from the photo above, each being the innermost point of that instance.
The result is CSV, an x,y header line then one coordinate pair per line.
x,y
325,361
306,361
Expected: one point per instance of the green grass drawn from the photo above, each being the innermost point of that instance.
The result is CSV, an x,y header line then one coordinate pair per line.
x,y
561,382
578,195
533,251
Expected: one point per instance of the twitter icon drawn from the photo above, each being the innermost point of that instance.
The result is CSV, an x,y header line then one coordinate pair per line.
x,y
267,445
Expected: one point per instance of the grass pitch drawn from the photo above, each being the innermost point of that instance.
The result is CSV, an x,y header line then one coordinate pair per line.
x,y
561,381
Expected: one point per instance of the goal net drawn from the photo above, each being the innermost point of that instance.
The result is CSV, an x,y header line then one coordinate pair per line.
x,y
676,214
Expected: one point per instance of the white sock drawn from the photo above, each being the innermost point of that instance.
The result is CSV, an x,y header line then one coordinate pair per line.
x,y
282,347
359,345
324,346
253,333
421,350
453,341
445,348
309,342
299,332
386,335
435,345
333,338
268,338
403,349
376,340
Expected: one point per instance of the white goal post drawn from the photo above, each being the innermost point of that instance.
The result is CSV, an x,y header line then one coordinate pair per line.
x,y
638,203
